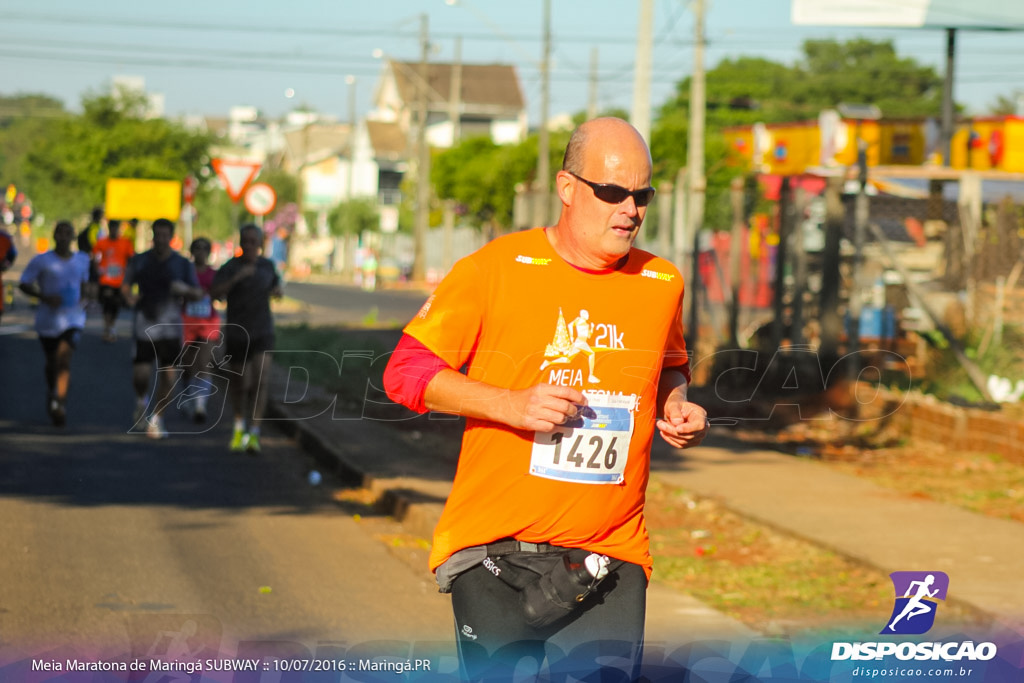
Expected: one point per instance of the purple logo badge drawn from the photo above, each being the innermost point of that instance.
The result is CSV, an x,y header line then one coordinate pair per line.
x,y
917,596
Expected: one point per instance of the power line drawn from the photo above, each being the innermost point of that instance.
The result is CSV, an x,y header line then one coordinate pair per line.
x,y
211,65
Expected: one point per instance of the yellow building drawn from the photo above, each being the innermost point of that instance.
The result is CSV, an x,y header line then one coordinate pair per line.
x,y
989,143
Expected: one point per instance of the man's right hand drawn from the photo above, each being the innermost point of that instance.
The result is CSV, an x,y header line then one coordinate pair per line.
x,y
246,271
543,407
539,408
54,301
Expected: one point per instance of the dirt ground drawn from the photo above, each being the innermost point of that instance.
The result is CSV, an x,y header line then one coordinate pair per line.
x,y
777,584
985,483
782,585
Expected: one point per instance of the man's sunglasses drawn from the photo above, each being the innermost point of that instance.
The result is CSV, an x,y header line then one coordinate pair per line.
x,y
616,194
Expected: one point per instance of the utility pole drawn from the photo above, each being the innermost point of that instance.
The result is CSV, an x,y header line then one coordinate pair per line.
x,y
351,81
423,159
302,170
947,98
680,245
860,227
542,186
454,117
455,93
695,144
592,94
641,114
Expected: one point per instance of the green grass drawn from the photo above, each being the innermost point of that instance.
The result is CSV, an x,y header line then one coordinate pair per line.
x,y
349,363
946,378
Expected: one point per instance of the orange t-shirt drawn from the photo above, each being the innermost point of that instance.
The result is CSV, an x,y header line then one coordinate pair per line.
x,y
515,314
112,259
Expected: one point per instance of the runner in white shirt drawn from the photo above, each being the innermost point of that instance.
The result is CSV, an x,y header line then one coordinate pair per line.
x,y
58,279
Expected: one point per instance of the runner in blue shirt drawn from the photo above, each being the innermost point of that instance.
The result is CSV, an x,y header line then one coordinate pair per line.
x,y
58,279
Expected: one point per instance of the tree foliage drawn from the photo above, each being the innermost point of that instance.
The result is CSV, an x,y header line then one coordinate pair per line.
x,y
353,217
483,177
867,72
67,166
748,90
23,119
1009,104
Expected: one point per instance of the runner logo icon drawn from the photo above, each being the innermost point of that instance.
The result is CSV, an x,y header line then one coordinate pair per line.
x,y
917,596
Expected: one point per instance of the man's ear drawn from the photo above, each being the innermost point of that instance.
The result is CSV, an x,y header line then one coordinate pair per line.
x,y
565,186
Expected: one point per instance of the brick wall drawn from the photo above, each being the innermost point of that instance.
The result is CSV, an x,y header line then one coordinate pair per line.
x,y
963,429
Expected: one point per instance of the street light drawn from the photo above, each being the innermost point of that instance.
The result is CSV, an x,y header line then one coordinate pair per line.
x,y
419,76
300,185
350,80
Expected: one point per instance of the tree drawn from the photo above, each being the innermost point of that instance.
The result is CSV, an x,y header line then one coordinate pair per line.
x,y
23,119
748,90
483,177
217,217
353,217
285,185
866,72
16,108
1008,104
66,168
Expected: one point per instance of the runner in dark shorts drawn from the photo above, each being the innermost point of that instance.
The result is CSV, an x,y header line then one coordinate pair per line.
x,y
247,282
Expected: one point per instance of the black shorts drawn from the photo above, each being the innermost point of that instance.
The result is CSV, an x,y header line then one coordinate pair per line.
x,y
164,351
240,346
110,299
493,636
70,335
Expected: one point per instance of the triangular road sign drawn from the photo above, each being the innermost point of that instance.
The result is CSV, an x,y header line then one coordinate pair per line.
x,y
236,174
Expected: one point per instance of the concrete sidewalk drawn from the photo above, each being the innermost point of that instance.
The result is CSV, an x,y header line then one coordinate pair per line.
x,y
983,556
411,472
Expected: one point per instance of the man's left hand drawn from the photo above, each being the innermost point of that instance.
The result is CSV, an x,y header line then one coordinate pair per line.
x,y
685,424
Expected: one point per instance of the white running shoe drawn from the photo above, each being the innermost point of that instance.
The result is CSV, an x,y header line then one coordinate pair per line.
x,y
155,427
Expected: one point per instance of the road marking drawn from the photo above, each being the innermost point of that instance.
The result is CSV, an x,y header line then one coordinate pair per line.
x,y
14,329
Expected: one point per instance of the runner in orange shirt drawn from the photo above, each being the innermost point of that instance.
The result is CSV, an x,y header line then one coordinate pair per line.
x,y
111,255
573,346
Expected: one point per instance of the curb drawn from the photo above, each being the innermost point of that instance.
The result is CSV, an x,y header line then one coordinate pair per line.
x,y
350,449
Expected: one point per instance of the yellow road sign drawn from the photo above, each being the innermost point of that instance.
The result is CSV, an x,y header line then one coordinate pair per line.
x,y
146,200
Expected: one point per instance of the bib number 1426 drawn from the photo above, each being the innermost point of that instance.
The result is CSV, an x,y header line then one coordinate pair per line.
x,y
592,449
576,454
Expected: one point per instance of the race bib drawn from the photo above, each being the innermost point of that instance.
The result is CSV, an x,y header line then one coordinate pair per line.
x,y
114,271
593,448
199,309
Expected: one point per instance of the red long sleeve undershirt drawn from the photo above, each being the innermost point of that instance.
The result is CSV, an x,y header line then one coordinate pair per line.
x,y
409,371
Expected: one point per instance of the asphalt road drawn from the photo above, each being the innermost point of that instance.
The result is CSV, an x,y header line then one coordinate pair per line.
x,y
109,539
334,304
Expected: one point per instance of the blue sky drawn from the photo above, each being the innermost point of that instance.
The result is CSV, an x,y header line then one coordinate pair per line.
x,y
207,56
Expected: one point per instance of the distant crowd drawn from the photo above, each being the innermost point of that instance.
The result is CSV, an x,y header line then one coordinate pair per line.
x,y
176,327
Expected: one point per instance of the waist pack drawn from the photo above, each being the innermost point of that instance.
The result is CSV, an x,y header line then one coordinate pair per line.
x,y
551,586
553,582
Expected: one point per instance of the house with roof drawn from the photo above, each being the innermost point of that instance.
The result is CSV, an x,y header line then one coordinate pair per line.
x,y
487,99
319,150
462,100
